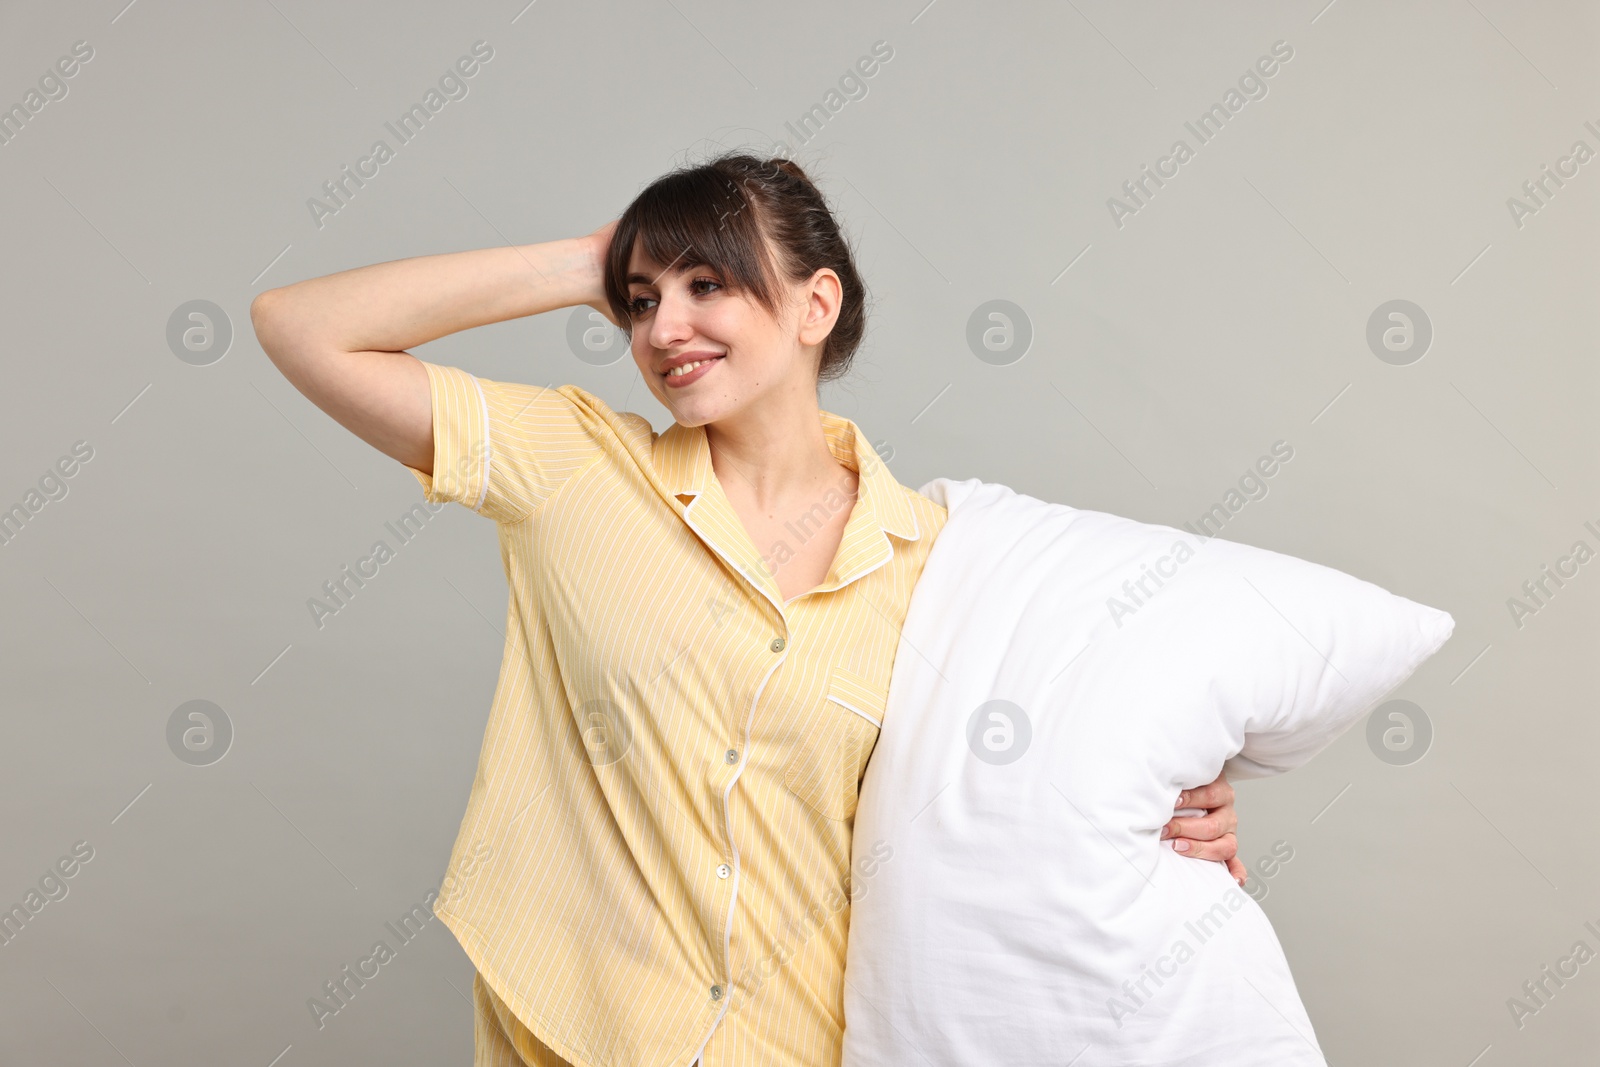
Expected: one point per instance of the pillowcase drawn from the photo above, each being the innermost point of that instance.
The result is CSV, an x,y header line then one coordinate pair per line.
x,y
1061,677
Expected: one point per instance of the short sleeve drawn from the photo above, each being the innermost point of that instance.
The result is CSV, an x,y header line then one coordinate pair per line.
x,y
503,448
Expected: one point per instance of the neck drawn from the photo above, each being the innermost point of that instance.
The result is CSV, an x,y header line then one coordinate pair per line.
x,y
774,454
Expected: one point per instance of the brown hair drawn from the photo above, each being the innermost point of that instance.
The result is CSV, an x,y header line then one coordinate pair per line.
x,y
751,220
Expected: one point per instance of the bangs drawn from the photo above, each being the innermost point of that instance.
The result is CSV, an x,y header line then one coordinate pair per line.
x,y
694,218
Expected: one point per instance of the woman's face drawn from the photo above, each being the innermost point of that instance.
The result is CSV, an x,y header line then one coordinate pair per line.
x,y
684,315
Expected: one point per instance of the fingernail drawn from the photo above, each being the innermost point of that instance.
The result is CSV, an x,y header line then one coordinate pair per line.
x,y
1182,846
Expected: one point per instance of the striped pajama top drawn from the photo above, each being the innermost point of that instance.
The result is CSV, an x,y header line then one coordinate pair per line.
x,y
655,859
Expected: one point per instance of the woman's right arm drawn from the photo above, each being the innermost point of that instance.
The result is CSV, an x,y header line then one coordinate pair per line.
x,y
341,339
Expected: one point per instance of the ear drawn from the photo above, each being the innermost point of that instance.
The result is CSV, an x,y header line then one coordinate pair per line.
x,y
820,309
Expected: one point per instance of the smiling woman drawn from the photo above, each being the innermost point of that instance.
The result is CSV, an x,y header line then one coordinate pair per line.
x,y
673,758
739,294
757,226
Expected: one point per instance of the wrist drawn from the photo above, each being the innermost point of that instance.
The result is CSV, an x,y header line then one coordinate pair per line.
x,y
556,274
592,251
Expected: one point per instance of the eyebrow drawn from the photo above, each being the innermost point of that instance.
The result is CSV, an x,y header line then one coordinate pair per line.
x,y
680,265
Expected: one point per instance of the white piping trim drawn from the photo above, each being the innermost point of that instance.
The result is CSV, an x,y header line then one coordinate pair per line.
x,y
727,822
733,896
846,704
488,455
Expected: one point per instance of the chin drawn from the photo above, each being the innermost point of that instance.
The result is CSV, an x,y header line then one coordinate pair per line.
x,y
694,410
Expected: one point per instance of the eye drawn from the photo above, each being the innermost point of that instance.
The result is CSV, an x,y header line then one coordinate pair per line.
x,y
635,310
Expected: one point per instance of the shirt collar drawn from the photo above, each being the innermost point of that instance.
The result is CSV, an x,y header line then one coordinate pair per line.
x,y
683,459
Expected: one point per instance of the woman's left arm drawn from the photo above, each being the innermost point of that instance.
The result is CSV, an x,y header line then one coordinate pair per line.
x,y
1209,836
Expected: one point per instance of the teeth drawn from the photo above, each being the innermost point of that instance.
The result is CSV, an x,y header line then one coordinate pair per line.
x,y
677,372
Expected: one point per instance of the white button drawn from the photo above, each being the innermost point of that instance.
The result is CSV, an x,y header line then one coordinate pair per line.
x,y
723,870
777,644
732,755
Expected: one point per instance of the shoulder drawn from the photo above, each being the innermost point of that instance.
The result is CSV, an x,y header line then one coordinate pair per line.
x,y
585,411
631,427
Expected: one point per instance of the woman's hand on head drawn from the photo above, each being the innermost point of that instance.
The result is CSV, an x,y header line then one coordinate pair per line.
x,y
1209,836
599,245
601,239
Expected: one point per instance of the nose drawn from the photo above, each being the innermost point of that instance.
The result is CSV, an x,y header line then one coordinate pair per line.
x,y
669,319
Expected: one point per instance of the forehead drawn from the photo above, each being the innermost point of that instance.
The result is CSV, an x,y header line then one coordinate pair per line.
x,y
644,269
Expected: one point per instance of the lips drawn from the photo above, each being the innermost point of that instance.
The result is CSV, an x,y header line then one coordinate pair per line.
x,y
702,366
693,365
695,355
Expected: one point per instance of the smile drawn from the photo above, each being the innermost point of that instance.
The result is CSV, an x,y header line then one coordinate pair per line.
x,y
688,372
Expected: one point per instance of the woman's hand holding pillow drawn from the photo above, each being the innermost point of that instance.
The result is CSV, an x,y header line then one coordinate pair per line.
x,y
1209,836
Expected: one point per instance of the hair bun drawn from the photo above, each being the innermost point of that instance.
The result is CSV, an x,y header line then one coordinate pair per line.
x,y
791,168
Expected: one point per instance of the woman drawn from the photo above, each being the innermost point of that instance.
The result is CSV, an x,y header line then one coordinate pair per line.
x,y
654,864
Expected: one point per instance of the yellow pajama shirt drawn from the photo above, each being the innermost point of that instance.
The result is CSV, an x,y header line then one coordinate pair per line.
x,y
654,863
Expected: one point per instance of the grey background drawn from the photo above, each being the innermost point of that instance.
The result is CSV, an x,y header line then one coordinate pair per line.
x,y
1230,312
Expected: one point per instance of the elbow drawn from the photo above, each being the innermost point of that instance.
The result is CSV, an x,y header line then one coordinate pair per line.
x,y
265,319
261,309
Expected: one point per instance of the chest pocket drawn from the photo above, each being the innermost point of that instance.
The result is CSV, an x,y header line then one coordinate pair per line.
x,y
826,770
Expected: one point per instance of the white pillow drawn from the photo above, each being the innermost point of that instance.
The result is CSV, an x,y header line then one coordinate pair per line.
x,y
1010,874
